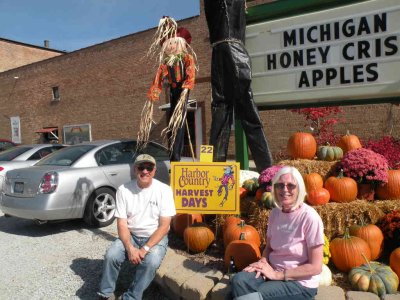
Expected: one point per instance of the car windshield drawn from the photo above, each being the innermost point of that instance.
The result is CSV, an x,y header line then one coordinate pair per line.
x,y
10,154
66,156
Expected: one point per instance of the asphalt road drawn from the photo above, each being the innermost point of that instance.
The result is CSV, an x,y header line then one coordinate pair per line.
x,y
60,260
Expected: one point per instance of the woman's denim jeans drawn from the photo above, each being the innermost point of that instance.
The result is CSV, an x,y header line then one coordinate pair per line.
x,y
144,272
244,283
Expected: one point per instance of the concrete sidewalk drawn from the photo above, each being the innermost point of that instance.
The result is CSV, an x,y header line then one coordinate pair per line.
x,y
182,278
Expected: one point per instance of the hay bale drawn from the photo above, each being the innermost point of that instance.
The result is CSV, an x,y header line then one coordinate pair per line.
x,y
306,166
335,216
387,206
259,219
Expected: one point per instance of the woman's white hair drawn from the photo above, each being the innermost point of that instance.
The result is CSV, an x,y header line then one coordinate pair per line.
x,y
300,183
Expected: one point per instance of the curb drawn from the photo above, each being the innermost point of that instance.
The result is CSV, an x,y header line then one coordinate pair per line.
x,y
181,278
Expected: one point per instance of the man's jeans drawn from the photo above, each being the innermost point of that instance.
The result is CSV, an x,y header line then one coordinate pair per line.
x,y
144,272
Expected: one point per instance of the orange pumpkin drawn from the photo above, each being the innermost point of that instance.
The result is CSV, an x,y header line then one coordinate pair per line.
x,y
198,237
242,192
341,189
318,196
231,221
372,234
244,252
349,142
233,233
181,221
259,193
347,251
391,189
302,145
394,261
313,181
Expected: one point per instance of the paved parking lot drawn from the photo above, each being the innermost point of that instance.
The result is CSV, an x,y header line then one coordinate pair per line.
x,y
56,260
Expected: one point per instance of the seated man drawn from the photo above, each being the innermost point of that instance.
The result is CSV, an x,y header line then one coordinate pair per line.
x,y
145,207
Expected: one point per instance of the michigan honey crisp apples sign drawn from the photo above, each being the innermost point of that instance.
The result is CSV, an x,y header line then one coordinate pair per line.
x,y
206,187
350,52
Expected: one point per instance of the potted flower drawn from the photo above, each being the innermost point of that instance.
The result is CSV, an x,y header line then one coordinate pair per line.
x,y
266,176
366,167
390,226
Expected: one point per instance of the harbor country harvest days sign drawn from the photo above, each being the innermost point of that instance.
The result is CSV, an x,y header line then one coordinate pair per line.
x,y
206,187
346,53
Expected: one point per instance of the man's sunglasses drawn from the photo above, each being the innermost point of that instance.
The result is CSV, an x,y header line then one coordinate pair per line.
x,y
148,168
281,186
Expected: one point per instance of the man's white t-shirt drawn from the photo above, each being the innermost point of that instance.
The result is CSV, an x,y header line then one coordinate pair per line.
x,y
143,207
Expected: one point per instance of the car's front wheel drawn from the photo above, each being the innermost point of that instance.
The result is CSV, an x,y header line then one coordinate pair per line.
x,y
100,208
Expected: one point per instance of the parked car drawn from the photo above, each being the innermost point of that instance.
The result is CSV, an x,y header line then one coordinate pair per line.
x,y
6,144
23,156
79,181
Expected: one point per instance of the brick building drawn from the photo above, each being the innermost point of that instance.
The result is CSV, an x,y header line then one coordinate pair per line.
x,y
15,54
105,86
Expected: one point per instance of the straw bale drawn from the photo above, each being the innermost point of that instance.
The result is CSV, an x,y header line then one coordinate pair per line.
x,y
387,206
335,216
306,166
259,219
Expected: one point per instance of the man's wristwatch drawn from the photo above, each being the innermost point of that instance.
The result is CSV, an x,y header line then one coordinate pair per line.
x,y
147,248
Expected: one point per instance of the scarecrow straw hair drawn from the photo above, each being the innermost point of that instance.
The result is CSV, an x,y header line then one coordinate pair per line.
x,y
166,29
145,125
176,121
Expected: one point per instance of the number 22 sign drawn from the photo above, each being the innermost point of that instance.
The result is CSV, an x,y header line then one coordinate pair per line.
x,y
206,153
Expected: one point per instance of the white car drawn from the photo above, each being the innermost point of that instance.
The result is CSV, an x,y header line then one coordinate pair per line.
x,y
23,156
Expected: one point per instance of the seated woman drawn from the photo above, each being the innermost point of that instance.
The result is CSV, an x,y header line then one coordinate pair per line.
x,y
292,259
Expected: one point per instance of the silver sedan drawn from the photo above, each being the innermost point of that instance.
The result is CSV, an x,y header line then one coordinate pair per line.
x,y
78,181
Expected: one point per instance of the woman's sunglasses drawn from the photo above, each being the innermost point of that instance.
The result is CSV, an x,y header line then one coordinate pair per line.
x,y
281,186
148,168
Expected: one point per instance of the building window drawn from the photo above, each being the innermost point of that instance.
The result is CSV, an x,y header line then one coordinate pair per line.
x,y
56,93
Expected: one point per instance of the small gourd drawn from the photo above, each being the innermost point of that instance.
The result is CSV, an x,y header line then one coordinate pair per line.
x,y
325,278
329,153
267,200
251,185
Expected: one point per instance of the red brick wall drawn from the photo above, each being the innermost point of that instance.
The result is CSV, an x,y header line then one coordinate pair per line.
x,y
14,55
106,84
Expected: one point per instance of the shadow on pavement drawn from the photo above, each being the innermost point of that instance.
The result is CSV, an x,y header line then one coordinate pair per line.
x,y
23,227
90,271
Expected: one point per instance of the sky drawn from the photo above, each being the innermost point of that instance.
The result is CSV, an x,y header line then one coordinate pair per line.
x,y
75,24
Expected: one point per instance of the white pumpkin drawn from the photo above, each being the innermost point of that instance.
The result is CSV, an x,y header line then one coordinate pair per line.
x,y
325,278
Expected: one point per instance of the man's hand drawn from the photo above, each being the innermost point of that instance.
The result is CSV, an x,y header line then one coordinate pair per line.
x,y
134,255
142,253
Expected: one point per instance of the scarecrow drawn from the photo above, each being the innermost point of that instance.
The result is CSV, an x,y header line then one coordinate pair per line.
x,y
224,180
177,65
231,79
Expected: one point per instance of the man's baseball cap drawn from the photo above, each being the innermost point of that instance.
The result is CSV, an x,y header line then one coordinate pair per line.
x,y
143,158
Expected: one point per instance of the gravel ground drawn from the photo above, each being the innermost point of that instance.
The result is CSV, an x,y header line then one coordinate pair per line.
x,y
56,260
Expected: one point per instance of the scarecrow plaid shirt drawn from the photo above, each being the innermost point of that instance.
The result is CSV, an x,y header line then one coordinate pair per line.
x,y
183,70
